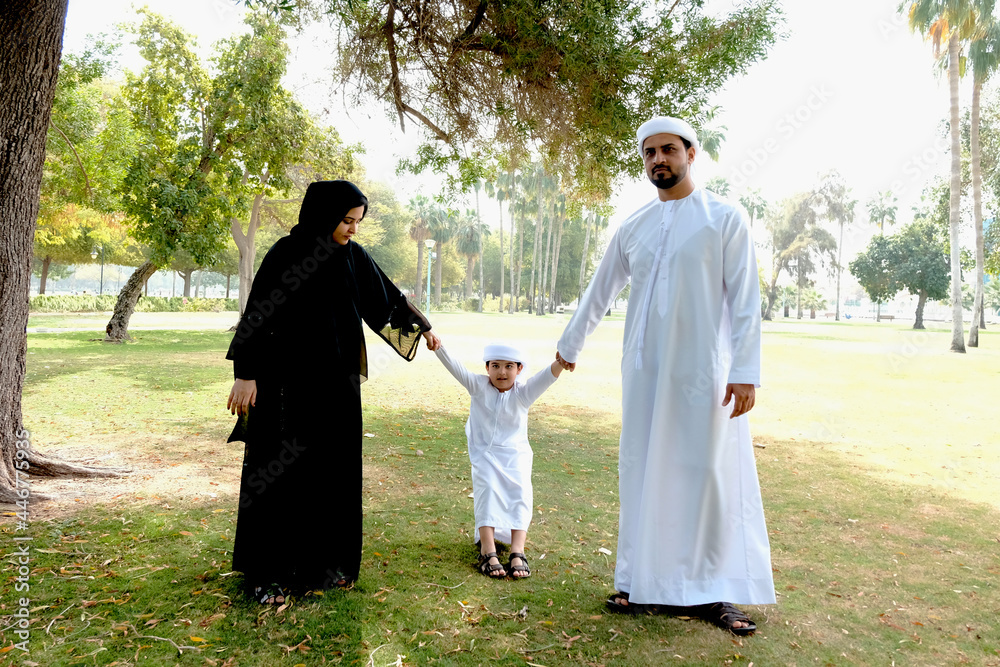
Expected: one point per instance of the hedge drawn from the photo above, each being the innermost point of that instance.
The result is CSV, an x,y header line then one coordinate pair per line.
x,y
89,303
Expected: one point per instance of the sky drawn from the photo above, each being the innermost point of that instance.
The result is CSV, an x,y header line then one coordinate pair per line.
x,y
850,88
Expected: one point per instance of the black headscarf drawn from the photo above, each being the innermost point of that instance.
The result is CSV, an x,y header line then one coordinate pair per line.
x,y
324,207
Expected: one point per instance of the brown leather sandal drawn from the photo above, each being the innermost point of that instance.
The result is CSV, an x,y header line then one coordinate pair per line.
x,y
491,570
523,567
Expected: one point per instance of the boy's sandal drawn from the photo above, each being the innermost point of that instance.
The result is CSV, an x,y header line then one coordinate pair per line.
x,y
491,570
725,615
522,568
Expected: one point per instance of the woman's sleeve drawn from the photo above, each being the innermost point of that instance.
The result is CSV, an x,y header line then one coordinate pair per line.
x,y
258,321
386,310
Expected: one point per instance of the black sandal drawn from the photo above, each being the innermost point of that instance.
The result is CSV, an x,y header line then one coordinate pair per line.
x,y
523,567
615,606
724,615
269,594
491,570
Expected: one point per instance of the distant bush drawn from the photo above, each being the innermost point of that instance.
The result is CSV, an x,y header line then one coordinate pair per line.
x,y
492,304
90,303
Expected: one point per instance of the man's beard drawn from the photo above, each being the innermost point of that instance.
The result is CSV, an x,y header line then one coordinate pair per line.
x,y
666,180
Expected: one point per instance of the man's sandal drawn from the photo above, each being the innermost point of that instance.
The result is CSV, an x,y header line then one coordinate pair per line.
x,y
522,568
491,570
724,615
619,604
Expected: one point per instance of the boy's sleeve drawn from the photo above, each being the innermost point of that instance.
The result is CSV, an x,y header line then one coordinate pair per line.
x,y
536,385
461,373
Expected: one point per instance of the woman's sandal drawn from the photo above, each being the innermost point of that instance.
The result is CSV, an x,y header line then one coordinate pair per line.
x,y
725,615
522,568
269,594
491,570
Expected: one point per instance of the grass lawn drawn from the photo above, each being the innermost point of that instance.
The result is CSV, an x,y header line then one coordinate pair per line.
x,y
878,471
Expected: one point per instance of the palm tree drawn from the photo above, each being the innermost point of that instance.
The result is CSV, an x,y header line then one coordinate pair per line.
x,y
954,21
420,232
984,52
835,197
814,301
467,245
442,225
881,209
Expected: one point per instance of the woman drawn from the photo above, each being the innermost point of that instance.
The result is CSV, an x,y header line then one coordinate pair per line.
x,y
299,359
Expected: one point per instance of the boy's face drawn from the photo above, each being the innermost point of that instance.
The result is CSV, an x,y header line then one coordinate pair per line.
x,y
503,373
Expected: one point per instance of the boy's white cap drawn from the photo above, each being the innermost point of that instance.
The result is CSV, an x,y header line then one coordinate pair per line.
x,y
499,351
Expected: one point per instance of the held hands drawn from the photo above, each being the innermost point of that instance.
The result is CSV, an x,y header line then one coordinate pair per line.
x,y
743,396
242,396
565,364
433,342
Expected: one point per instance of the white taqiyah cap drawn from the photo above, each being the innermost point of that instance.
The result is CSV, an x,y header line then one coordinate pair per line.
x,y
499,351
666,125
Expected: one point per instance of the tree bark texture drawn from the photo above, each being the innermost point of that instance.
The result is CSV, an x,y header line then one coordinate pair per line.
x,y
534,250
31,33
977,207
918,323
117,329
553,293
540,309
520,263
46,263
957,330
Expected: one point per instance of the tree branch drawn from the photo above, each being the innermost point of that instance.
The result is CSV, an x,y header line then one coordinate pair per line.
x,y
438,132
79,162
390,38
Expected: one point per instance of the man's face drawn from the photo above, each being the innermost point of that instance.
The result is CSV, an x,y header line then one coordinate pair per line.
x,y
503,373
348,227
666,160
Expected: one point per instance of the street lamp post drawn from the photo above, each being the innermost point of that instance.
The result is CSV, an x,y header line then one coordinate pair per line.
x,y
430,255
93,255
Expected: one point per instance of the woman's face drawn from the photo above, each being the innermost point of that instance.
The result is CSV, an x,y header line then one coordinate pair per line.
x,y
348,227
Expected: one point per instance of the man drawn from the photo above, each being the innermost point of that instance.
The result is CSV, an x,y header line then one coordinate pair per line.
x,y
691,527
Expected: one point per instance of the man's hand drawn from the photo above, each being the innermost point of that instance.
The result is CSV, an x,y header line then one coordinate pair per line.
x,y
242,396
565,364
743,395
433,342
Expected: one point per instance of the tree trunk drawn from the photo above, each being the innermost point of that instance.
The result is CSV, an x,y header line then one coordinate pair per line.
x,y
520,262
553,293
921,300
501,255
583,256
437,274
482,281
540,309
840,252
46,263
977,207
798,288
186,275
418,291
534,250
31,33
957,338
246,243
117,329
197,285
229,279
469,266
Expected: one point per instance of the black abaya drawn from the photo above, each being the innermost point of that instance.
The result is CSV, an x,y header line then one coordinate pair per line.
x,y
301,340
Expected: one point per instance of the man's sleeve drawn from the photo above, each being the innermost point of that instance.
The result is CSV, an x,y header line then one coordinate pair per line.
x,y
742,286
611,277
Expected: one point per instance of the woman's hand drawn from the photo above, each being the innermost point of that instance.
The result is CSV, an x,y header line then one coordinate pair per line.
x,y
433,342
242,396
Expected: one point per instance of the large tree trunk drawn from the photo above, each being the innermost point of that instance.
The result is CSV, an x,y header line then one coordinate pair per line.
x,y
921,300
186,275
117,329
247,245
957,330
31,33
46,263
977,207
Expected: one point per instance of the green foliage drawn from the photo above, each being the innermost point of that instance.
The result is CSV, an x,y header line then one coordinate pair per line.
x,y
497,82
873,269
88,303
203,131
915,259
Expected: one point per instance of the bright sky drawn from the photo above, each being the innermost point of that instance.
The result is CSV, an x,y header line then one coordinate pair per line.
x,y
849,89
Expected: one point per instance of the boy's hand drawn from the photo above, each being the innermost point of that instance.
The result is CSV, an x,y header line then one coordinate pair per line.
x,y
433,342
565,364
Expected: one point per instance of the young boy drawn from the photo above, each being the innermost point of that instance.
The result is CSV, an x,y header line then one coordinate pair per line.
x,y
497,432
